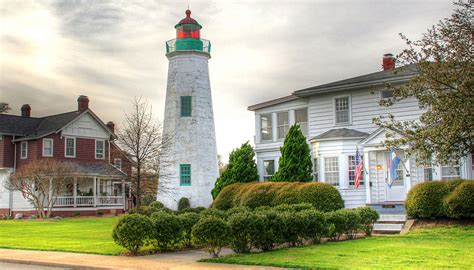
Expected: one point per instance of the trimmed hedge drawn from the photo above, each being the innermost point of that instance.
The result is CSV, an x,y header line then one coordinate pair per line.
x,y
460,203
211,232
426,200
132,231
166,229
322,196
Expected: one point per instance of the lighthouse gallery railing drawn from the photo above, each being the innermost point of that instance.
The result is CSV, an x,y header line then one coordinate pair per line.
x,y
171,46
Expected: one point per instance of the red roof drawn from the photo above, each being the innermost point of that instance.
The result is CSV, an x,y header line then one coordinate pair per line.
x,y
188,19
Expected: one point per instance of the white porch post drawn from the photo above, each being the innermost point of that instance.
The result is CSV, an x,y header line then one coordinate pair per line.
x,y
123,194
408,175
74,191
367,177
274,127
95,191
50,189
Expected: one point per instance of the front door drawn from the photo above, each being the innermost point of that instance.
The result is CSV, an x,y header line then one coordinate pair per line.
x,y
395,190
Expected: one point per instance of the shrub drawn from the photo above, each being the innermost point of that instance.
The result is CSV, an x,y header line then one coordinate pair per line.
x,y
237,210
336,223
211,232
99,213
132,231
294,228
273,232
322,196
425,200
148,199
352,222
214,212
76,214
460,203
293,207
166,229
183,203
156,205
244,230
368,217
186,222
315,226
196,210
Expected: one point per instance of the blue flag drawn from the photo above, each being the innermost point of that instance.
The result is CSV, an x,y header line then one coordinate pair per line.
x,y
393,167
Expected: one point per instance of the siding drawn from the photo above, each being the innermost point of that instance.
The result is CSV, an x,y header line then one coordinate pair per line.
x,y
7,150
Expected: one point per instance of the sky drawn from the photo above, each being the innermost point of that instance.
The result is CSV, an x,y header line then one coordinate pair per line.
x,y
53,51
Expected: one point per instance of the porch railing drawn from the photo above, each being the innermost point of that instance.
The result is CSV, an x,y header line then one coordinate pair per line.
x,y
68,201
110,200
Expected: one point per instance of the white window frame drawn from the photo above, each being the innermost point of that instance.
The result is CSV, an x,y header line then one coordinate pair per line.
x,y
305,124
115,163
349,100
52,147
353,169
65,147
24,146
338,183
271,127
450,176
103,149
278,126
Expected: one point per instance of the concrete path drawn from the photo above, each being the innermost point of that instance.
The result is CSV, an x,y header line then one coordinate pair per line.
x,y
18,266
176,260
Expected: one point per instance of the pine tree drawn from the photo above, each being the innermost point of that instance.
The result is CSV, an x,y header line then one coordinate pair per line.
x,y
241,169
295,162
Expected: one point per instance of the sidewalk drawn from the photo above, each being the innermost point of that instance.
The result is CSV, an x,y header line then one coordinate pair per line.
x,y
176,260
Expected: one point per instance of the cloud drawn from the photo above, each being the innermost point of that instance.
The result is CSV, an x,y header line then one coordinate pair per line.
x,y
53,51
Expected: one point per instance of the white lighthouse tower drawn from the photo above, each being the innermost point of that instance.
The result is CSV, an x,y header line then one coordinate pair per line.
x,y
190,169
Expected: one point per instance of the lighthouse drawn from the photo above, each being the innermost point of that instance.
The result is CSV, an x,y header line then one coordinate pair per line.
x,y
189,169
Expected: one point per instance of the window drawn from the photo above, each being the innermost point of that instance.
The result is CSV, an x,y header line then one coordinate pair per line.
x,y
384,94
118,163
186,106
268,169
315,169
282,124
70,147
24,150
301,118
266,127
47,147
99,149
185,174
352,169
331,170
342,110
450,171
428,172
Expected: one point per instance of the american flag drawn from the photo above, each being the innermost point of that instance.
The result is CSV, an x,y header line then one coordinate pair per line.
x,y
359,168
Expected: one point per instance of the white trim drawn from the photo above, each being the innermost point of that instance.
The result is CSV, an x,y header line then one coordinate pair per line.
x,y
26,150
65,147
103,148
52,147
349,101
338,169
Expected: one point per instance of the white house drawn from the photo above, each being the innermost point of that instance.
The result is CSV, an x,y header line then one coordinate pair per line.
x,y
337,120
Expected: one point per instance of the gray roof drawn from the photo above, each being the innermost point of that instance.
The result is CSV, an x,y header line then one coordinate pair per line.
x,y
99,169
398,75
340,133
32,127
271,102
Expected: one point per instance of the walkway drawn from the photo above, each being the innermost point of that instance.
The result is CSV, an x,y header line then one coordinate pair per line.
x,y
176,260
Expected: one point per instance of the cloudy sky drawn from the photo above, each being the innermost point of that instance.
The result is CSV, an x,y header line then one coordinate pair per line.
x,y
53,51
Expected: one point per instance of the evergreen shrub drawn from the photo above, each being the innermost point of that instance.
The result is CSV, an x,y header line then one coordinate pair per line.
x,y
244,230
460,203
132,231
186,222
273,233
166,229
183,204
368,217
314,225
211,232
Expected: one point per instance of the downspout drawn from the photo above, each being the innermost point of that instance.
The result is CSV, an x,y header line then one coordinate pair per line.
x,y
10,193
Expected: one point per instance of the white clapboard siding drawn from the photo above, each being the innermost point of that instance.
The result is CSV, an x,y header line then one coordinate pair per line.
x,y
353,197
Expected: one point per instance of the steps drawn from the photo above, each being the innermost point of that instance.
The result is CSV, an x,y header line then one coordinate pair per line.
x,y
390,224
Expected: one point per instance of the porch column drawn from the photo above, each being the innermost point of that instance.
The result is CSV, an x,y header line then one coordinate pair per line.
x,y
123,194
50,189
74,192
407,175
367,177
95,191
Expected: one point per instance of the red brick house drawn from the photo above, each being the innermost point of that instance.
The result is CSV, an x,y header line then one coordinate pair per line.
x,y
79,137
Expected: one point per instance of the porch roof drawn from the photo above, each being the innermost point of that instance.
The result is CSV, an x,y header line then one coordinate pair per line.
x,y
340,134
99,169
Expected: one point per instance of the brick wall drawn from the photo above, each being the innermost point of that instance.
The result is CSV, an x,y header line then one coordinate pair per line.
x,y
7,150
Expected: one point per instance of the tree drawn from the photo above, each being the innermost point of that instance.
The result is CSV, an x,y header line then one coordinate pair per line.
x,y
4,107
295,162
443,85
241,169
40,183
141,137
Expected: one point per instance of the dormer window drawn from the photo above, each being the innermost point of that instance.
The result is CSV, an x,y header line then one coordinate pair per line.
x,y
99,149
24,150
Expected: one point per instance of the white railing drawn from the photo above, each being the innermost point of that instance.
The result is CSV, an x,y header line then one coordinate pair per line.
x,y
64,201
110,200
85,200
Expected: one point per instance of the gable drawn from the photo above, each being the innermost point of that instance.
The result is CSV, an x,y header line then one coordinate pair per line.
x,y
86,126
376,138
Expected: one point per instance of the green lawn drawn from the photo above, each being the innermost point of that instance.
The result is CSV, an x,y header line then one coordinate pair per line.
x,y
84,235
438,247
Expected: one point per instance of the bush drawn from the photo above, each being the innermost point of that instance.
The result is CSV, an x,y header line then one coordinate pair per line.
x,y
352,222
214,213
76,214
460,203
237,210
211,232
273,233
244,230
186,222
315,226
166,229
293,207
368,217
183,204
322,196
426,200
294,228
156,205
99,213
132,231
336,224
148,199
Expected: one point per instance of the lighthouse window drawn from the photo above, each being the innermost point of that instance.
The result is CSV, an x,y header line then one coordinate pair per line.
x,y
185,174
186,106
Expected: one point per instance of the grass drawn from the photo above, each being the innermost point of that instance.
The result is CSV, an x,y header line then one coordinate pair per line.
x,y
424,248
83,235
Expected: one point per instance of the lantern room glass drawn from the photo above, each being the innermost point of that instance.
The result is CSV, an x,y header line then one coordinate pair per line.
x,y
188,31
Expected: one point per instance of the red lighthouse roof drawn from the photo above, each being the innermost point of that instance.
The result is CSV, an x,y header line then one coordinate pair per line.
x,y
188,19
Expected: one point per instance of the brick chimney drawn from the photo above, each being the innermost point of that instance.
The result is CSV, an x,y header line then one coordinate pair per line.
x,y
111,126
26,110
82,103
388,61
